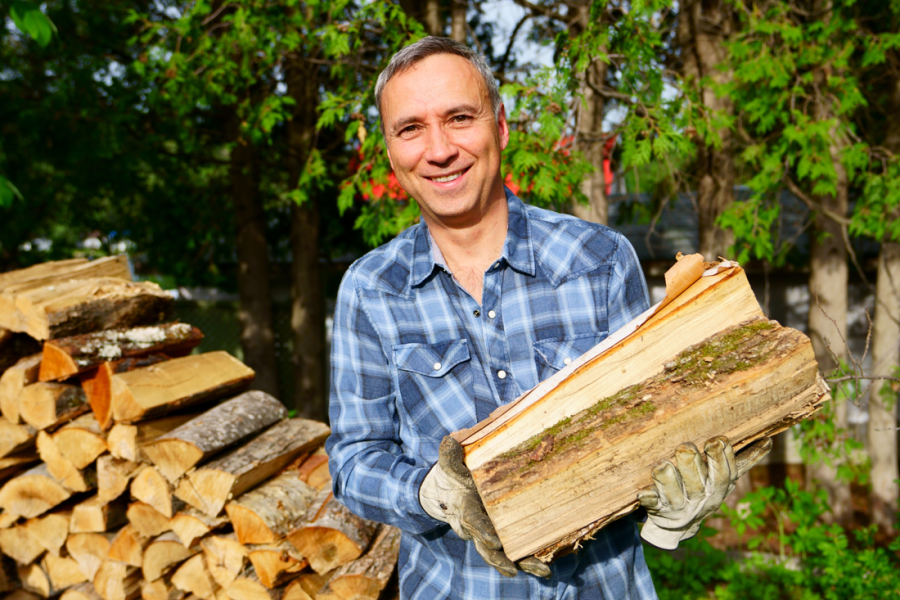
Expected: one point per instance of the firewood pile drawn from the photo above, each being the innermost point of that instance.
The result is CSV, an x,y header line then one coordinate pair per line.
x,y
130,467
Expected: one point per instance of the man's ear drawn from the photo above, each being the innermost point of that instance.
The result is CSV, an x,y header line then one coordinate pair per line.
x,y
503,127
388,152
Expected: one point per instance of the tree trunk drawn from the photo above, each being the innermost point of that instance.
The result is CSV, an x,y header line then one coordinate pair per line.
x,y
427,12
703,26
590,134
458,20
307,292
257,336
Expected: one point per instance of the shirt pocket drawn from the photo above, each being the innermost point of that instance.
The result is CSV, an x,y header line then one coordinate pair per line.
x,y
435,385
554,354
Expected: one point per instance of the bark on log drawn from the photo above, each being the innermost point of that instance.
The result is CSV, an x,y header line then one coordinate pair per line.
x,y
50,530
163,554
333,536
81,440
128,546
13,381
190,525
77,307
117,581
365,577
15,464
192,576
210,487
82,591
62,571
14,347
46,405
113,476
224,557
146,519
15,437
176,452
65,357
89,550
61,468
96,516
267,513
32,493
748,382
20,544
9,576
97,384
126,441
275,564
142,393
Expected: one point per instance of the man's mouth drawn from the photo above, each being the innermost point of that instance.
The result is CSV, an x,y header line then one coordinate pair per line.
x,y
450,177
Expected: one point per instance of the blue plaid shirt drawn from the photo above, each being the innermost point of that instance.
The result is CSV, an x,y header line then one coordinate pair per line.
x,y
414,358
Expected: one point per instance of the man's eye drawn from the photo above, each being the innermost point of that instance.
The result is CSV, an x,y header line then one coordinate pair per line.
x,y
461,118
407,130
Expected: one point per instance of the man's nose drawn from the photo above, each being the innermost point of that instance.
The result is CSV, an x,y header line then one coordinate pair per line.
x,y
441,148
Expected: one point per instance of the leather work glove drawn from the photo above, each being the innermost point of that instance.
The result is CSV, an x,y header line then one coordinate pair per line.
x,y
448,494
693,488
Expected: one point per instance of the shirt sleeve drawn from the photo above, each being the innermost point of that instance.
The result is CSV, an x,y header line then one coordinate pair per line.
x,y
627,296
371,474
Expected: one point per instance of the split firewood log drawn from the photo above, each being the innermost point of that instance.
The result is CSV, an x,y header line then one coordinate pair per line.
x,y
193,577
113,476
176,452
97,383
150,487
126,441
15,464
9,575
190,525
62,469
15,438
81,440
164,553
76,307
62,571
275,564
314,470
332,536
58,271
13,381
81,591
267,513
161,589
248,587
146,519
95,516
14,347
365,577
117,581
225,558
307,586
208,488
51,530
32,493
20,544
21,594
149,391
35,580
46,405
89,550
128,546
65,357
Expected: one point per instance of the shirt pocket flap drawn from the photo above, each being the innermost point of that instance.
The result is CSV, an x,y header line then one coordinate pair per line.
x,y
559,352
431,360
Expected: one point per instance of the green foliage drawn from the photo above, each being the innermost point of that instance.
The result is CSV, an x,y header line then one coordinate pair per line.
x,y
30,20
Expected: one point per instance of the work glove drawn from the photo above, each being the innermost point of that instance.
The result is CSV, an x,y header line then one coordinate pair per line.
x,y
693,488
449,495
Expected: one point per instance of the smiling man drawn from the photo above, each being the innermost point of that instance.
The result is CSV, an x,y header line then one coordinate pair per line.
x,y
461,314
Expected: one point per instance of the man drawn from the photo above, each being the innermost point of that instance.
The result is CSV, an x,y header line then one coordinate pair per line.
x,y
461,314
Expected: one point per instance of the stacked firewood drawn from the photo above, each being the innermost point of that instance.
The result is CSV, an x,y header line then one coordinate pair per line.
x,y
130,467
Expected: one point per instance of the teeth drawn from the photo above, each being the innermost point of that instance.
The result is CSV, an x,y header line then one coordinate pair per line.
x,y
447,178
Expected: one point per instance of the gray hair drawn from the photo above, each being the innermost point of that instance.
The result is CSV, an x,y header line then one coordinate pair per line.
x,y
429,46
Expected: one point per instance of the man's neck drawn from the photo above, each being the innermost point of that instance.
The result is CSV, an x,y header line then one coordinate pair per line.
x,y
470,251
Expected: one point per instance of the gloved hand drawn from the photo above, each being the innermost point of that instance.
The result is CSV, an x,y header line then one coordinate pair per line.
x,y
448,494
693,488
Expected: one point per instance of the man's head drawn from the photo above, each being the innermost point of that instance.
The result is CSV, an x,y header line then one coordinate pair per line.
x,y
444,128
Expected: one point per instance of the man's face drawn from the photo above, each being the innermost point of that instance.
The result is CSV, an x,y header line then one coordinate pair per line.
x,y
443,140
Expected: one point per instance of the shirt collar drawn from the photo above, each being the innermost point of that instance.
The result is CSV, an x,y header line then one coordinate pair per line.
x,y
518,251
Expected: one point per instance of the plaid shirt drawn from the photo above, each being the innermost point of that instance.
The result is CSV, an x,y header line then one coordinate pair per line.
x,y
414,358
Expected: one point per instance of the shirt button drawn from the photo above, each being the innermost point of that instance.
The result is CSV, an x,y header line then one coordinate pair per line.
x,y
492,314
477,313
437,366
496,264
567,360
501,374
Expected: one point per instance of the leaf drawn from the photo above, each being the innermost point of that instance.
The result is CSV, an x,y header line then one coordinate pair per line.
x,y
29,19
8,192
